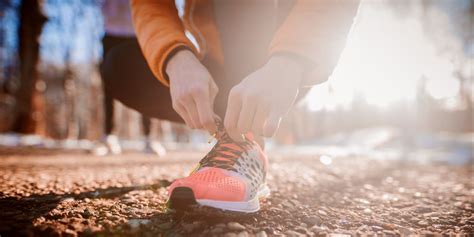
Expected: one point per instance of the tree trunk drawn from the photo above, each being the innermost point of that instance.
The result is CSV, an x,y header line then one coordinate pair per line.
x,y
31,24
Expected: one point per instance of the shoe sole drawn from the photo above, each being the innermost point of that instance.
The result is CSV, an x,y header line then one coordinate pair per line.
x,y
182,198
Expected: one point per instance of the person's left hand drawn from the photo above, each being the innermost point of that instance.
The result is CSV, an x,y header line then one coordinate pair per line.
x,y
258,103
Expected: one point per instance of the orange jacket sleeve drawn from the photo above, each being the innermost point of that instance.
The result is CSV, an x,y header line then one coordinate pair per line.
x,y
315,31
160,33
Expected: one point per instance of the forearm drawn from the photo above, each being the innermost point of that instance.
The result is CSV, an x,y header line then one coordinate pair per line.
x,y
159,32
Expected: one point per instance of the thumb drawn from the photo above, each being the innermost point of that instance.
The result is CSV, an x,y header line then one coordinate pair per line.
x,y
272,125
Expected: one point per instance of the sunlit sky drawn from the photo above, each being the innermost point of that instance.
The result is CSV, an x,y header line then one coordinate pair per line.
x,y
385,57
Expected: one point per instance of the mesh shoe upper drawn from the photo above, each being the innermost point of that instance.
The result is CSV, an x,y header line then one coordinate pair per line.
x,y
231,171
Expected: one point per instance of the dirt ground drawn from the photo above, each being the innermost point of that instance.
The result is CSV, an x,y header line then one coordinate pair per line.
x,y
57,193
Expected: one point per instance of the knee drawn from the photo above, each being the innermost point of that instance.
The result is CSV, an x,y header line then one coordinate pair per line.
x,y
115,64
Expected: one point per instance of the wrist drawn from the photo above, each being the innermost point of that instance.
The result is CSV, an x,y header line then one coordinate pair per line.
x,y
177,60
289,64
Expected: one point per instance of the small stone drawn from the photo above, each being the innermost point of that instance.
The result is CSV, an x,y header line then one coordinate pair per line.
x,y
113,218
129,200
423,210
423,223
376,228
363,228
67,200
405,231
217,230
287,204
317,229
339,235
69,233
87,213
135,223
261,234
388,226
321,212
235,226
230,234
312,220
293,233
301,230
243,234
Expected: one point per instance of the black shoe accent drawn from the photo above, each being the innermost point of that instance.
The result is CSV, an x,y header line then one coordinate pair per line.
x,y
182,198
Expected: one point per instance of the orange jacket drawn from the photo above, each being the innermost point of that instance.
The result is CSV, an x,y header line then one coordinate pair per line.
x,y
313,31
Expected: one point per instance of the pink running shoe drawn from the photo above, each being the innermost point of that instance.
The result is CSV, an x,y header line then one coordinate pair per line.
x,y
230,177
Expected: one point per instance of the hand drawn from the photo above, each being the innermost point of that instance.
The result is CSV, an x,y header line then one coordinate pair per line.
x,y
259,102
192,90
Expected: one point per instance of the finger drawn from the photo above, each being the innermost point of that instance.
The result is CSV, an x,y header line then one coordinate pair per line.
x,y
213,90
232,114
272,125
205,112
184,115
190,107
247,114
259,119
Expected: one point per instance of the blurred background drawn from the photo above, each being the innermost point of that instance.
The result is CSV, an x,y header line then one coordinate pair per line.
x,y
403,86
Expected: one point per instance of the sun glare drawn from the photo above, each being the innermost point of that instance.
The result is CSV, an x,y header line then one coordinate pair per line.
x,y
383,61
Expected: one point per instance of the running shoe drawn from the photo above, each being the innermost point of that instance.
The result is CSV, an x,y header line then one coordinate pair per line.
x,y
230,177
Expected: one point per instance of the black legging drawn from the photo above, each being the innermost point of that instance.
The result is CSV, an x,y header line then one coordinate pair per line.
x,y
109,43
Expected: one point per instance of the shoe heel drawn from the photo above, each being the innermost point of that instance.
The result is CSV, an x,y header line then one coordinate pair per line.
x,y
181,198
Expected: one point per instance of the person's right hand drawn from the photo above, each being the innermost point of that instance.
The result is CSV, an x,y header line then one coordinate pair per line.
x,y
192,90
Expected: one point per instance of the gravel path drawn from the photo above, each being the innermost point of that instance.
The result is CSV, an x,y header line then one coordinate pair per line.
x,y
57,193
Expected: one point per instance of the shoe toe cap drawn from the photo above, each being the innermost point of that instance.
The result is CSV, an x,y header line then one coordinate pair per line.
x,y
212,184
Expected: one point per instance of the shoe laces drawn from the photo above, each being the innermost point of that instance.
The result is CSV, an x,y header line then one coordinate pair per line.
x,y
226,151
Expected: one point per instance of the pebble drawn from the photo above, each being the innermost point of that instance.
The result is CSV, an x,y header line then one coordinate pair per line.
x,y
288,205
87,213
230,234
377,228
135,223
301,230
293,233
389,233
217,230
312,220
321,212
261,234
243,234
405,231
388,226
67,200
235,226
317,229
423,223
69,233
423,210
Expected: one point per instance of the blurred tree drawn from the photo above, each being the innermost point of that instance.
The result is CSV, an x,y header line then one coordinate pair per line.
x,y
31,24
9,22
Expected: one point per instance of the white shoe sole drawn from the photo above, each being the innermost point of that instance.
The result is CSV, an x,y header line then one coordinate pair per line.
x,y
250,206
183,197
